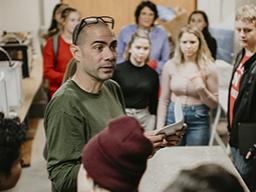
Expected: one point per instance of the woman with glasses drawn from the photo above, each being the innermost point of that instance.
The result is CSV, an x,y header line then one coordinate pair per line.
x,y
55,65
145,16
190,78
138,81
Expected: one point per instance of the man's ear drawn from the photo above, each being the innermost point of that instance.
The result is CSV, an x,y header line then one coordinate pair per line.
x,y
76,52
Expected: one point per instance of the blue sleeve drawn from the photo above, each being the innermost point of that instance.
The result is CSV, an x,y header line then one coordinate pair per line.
x,y
121,47
165,53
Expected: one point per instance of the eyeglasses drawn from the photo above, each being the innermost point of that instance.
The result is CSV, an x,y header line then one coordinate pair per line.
x,y
92,20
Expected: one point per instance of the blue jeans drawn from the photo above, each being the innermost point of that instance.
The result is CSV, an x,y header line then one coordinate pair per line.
x,y
246,168
197,119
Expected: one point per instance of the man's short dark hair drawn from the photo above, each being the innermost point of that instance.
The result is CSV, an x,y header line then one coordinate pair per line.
x,y
12,134
148,4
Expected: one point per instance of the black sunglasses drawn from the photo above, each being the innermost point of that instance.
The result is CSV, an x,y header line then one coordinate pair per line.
x,y
92,20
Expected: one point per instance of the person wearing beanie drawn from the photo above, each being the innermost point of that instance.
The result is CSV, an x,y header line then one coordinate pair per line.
x,y
116,158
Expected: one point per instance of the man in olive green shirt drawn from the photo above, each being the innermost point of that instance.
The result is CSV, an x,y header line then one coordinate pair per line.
x,y
83,105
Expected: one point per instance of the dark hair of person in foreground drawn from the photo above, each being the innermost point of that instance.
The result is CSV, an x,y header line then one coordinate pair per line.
x,y
205,178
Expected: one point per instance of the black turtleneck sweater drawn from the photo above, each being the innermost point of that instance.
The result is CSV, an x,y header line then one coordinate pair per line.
x,y
139,84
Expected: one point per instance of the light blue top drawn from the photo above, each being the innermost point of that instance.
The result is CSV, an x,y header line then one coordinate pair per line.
x,y
160,48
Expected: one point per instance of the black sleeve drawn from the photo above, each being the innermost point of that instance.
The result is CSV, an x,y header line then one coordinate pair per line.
x,y
154,96
213,48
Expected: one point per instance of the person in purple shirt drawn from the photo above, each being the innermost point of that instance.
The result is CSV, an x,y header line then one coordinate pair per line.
x,y
145,16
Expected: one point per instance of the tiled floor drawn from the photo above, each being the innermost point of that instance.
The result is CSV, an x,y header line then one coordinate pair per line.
x,y
35,178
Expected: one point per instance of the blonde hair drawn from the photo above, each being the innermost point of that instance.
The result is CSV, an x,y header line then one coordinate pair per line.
x,y
203,59
247,13
139,34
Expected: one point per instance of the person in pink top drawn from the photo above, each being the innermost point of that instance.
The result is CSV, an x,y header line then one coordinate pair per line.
x,y
54,71
190,78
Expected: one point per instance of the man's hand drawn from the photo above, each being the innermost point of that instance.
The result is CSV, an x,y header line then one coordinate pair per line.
x,y
175,138
158,141
161,140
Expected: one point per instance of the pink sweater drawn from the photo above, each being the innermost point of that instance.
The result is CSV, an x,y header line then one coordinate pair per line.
x,y
188,85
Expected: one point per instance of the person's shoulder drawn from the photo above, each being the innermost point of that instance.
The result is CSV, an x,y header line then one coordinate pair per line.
x,y
129,28
114,88
212,67
171,66
171,63
121,66
49,43
213,41
66,95
111,84
66,87
152,71
159,29
50,38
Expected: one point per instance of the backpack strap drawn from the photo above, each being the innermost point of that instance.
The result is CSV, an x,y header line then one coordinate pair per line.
x,y
55,48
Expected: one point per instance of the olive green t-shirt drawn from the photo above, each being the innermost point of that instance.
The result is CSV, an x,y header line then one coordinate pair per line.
x,y
72,117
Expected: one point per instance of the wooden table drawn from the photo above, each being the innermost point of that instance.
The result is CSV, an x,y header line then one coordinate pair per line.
x,y
30,86
166,164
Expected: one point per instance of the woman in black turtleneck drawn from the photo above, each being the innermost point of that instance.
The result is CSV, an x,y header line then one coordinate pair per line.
x,y
200,19
138,81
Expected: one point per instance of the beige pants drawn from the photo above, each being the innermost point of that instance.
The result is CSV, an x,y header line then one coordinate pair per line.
x,y
146,120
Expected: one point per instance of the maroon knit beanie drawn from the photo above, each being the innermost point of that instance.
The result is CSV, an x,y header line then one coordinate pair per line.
x,y
116,158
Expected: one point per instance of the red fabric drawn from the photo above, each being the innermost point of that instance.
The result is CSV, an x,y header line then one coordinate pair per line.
x,y
235,87
116,158
153,64
55,75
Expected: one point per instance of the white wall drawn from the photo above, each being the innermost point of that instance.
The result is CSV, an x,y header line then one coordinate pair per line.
x,y
20,16
26,15
48,6
221,13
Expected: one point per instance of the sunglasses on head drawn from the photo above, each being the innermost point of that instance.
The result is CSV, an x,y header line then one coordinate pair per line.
x,y
92,20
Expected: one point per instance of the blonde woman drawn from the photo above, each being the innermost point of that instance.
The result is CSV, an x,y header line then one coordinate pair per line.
x,y
190,78
138,81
